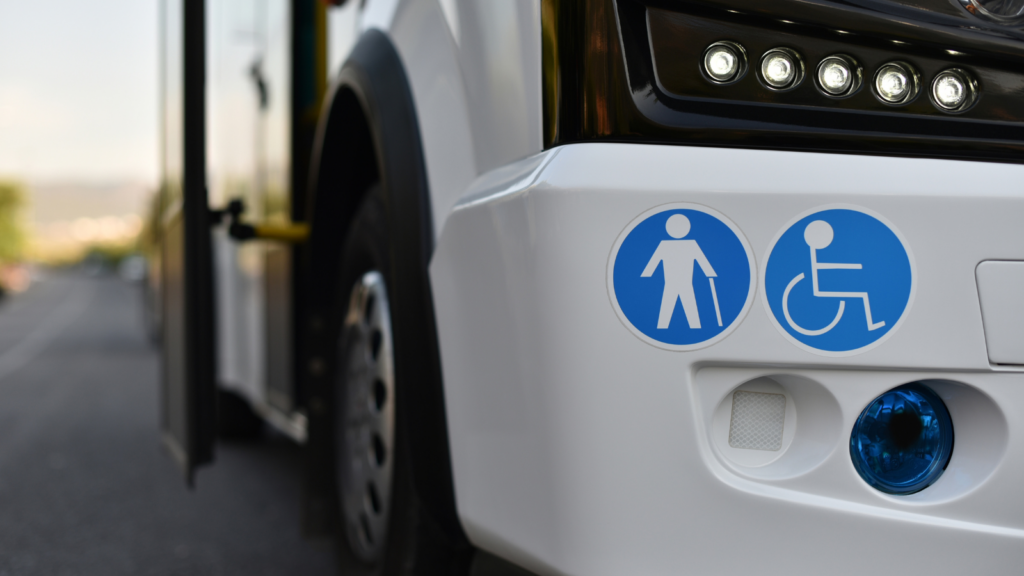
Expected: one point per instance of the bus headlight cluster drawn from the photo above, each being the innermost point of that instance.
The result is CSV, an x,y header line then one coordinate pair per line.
x,y
724,62
895,83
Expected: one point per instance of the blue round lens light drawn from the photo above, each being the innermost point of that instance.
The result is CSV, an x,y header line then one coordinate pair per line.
x,y
902,442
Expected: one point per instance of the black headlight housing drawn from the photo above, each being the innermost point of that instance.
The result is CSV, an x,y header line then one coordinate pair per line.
x,y
631,71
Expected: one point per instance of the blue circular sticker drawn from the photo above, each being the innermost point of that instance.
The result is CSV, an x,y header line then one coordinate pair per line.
x,y
681,276
838,280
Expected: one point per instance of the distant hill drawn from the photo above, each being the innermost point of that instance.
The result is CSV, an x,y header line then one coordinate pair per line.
x,y
65,218
51,202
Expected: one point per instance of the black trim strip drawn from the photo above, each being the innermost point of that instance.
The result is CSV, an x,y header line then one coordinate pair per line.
x,y
600,83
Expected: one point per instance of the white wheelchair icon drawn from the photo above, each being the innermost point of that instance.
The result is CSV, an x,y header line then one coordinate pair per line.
x,y
818,235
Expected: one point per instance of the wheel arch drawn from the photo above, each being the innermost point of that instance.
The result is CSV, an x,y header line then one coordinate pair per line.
x,y
369,132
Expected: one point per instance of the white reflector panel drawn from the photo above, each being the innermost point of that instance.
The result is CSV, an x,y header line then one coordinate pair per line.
x,y
758,420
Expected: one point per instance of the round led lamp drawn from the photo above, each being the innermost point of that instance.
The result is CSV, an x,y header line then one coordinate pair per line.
x,y
839,76
724,62
903,440
896,84
953,91
781,69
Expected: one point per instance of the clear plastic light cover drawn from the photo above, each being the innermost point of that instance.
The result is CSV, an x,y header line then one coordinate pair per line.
x,y
950,91
896,83
778,69
835,76
893,83
954,91
724,62
902,442
721,63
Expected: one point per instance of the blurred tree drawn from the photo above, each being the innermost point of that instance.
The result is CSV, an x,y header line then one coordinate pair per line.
x,y
149,237
12,232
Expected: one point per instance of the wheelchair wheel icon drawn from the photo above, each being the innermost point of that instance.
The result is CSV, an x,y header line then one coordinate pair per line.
x,y
819,235
800,329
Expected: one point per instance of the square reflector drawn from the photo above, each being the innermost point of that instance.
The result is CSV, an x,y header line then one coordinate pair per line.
x,y
758,420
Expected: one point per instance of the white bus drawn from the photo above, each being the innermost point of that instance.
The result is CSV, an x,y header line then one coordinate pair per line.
x,y
588,287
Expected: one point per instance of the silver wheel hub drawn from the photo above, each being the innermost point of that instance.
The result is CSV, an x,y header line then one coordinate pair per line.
x,y
365,430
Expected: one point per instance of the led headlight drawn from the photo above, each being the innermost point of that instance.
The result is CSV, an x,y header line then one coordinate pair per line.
x,y
896,83
903,440
953,91
724,62
781,69
839,76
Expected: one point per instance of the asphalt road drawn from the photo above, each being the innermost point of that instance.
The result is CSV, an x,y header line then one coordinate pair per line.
x,y
85,486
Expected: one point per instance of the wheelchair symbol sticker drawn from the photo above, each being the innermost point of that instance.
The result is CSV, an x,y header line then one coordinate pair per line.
x,y
681,277
838,281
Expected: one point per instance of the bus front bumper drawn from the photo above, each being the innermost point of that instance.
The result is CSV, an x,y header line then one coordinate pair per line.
x,y
579,448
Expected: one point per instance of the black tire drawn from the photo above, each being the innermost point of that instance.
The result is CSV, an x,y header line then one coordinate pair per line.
x,y
236,420
415,543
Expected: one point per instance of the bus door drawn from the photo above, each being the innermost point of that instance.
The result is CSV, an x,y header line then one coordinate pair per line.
x,y
188,394
272,74
249,91
238,95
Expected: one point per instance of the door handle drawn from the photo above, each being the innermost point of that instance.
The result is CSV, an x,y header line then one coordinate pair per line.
x,y
290,233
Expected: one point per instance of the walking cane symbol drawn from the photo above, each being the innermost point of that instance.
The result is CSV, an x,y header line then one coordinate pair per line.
x,y
714,296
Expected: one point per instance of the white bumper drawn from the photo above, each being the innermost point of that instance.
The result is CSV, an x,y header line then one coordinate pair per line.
x,y
580,449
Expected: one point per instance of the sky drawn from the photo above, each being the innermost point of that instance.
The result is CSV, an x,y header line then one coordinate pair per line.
x,y
78,90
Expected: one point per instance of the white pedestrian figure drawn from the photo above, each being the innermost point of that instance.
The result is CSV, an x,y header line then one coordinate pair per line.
x,y
818,235
678,257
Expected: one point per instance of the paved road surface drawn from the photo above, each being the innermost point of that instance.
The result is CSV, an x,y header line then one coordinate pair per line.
x,y
85,487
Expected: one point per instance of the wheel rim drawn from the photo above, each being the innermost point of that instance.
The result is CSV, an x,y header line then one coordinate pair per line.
x,y
365,431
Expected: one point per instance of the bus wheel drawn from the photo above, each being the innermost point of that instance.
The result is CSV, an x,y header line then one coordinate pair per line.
x,y
383,526
365,418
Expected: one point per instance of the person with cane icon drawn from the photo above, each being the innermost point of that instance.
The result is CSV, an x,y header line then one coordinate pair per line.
x,y
678,256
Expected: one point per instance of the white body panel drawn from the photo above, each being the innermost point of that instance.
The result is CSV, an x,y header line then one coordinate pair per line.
x,y
580,449
342,33
477,95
